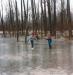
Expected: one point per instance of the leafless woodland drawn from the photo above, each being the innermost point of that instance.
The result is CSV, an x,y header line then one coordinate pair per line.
x,y
43,16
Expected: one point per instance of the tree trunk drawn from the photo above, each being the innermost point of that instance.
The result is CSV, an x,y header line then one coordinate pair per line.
x,y
22,17
41,18
54,25
49,16
2,21
17,25
69,19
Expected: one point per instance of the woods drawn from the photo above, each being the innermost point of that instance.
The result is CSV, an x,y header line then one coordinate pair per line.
x,y
41,16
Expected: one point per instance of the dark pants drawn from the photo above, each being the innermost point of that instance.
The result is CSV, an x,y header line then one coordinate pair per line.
x,y
50,43
32,43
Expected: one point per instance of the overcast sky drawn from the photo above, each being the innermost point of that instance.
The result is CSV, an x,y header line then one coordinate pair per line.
x,y
5,4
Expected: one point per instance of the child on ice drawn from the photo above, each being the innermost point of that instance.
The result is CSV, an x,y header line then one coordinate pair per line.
x,y
31,40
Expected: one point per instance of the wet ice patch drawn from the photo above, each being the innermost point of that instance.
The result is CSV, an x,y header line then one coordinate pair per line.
x,y
48,72
3,74
4,45
22,39
9,57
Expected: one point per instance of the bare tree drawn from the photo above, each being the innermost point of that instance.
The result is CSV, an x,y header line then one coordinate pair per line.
x,y
37,19
54,25
69,18
11,18
17,24
33,14
62,16
45,18
2,21
25,14
22,16
41,17
49,16
25,20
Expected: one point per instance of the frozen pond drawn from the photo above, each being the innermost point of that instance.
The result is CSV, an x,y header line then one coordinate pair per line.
x,y
20,59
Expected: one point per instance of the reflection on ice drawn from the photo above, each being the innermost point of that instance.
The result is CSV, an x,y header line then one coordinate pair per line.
x,y
39,72
20,59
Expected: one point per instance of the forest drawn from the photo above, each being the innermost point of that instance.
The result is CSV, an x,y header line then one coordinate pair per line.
x,y
42,16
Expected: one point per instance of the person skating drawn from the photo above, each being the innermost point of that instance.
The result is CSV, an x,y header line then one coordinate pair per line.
x,y
49,41
31,40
